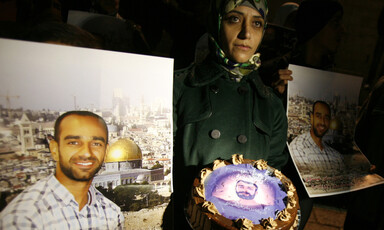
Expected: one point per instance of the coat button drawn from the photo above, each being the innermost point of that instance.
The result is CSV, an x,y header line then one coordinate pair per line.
x,y
242,139
215,134
214,89
242,90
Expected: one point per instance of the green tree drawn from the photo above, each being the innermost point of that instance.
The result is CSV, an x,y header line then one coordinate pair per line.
x,y
157,165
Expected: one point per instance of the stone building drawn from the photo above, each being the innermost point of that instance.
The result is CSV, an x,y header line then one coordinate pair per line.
x,y
123,165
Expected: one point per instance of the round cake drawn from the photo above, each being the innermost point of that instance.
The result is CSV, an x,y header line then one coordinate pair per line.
x,y
242,194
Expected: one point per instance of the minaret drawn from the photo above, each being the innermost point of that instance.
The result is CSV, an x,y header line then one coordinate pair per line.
x,y
26,134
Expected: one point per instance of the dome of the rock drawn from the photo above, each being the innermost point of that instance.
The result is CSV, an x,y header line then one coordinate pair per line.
x,y
123,150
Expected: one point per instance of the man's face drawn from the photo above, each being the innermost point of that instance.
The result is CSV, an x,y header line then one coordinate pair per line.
x,y
320,119
246,190
81,148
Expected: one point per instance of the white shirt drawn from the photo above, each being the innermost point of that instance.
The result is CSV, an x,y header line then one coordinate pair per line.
x,y
49,205
308,156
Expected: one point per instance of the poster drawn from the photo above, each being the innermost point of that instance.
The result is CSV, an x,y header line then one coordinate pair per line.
x,y
133,93
322,109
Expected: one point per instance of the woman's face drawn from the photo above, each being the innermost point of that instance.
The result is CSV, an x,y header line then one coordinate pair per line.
x,y
241,33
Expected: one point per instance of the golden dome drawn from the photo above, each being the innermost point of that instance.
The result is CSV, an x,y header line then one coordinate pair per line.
x,y
123,150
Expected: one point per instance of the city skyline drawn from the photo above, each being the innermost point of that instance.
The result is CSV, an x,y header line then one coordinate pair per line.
x,y
328,84
59,80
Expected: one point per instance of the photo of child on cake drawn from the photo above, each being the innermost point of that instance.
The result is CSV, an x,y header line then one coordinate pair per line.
x,y
322,109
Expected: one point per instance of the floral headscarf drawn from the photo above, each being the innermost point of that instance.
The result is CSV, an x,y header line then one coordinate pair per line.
x,y
218,9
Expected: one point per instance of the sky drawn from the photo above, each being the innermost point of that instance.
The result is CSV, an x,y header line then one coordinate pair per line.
x,y
47,76
323,85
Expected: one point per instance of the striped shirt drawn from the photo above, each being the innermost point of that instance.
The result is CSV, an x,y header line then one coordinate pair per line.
x,y
49,205
308,156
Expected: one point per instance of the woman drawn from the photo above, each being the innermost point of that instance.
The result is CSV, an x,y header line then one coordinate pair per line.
x,y
220,106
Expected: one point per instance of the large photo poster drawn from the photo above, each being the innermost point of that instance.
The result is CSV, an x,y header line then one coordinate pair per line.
x,y
322,110
132,93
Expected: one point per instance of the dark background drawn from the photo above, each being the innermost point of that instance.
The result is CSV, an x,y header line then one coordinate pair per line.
x,y
169,31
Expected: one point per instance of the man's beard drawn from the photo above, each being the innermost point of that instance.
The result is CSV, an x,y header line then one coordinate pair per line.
x,y
71,174
245,195
317,134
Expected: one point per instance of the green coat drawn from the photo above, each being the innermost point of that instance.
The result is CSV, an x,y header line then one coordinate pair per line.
x,y
216,117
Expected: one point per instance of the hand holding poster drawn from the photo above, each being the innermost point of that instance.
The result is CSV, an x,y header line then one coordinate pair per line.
x,y
322,110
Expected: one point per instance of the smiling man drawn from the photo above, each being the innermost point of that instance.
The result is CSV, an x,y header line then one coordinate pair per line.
x,y
309,151
67,200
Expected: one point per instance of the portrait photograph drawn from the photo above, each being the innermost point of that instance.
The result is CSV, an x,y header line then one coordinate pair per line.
x,y
241,191
322,111
132,93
